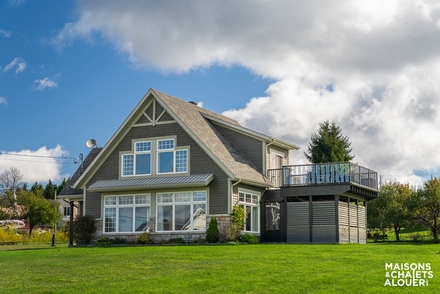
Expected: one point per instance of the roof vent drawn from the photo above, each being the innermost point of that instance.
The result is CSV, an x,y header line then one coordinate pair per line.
x,y
192,102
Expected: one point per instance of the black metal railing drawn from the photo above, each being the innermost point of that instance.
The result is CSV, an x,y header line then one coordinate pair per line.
x,y
323,173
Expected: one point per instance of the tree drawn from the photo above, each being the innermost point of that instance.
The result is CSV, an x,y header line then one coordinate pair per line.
x,y
329,145
427,206
392,208
49,190
10,180
212,233
37,209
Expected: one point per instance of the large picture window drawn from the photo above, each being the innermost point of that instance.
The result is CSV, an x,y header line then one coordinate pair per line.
x,y
250,204
181,211
126,213
138,163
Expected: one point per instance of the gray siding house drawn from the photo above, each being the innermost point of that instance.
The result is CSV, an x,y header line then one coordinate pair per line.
x,y
173,165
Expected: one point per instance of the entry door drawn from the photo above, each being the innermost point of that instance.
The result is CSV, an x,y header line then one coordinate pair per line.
x,y
272,222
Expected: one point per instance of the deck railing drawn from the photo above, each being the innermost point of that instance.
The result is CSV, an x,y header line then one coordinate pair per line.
x,y
323,173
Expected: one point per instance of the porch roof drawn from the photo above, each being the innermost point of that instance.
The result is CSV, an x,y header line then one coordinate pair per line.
x,y
198,180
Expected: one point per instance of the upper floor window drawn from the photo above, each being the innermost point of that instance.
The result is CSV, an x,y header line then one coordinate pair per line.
x,y
138,163
154,157
170,160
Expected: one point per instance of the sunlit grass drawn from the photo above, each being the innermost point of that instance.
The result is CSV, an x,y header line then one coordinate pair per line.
x,y
281,268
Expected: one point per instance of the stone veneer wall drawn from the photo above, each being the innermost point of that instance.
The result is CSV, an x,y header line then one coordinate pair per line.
x,y
222,220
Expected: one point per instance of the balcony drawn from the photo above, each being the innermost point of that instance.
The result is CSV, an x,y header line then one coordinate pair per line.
x,y
323,174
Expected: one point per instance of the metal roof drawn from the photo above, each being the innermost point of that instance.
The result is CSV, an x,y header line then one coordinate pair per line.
x,y
197,180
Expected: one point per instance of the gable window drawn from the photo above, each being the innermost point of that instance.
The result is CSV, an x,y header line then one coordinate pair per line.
x,y
138,163
250,204
181,211
126,213
170,160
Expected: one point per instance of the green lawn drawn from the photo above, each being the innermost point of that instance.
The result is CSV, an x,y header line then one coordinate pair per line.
x,y
281,268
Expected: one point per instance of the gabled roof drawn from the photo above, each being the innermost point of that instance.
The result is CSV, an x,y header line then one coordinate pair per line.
x,y
198,123
68,189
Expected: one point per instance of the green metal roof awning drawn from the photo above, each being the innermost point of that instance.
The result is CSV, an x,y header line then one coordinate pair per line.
x,y
199,180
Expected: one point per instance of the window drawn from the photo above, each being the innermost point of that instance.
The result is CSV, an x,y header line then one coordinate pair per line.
x,y
126,213
170,160
159,153
66,211
138,163
250,204
181,211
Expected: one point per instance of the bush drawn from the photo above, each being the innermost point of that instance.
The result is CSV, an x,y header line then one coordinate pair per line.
x,y
229,233
212,234
144,238
248,238
84,229
103,241
176,241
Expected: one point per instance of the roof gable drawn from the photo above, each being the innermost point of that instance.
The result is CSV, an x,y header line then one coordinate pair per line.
x,y
159,108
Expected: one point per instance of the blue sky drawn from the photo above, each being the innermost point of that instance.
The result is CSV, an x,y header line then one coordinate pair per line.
x,y
74,70
94,87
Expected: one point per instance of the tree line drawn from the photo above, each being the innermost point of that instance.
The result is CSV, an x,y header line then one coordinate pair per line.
x,y
36,204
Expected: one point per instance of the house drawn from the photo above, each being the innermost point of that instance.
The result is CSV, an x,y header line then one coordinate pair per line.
x,y
173,165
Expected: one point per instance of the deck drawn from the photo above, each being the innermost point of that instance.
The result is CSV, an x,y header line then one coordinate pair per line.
x,y
323,174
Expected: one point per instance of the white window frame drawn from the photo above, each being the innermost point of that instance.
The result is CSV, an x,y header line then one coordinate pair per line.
x,y
134,154
254,204
174,151
174,202
117,205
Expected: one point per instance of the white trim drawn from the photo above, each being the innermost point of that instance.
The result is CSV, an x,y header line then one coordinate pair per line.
x,y
252,205
174,203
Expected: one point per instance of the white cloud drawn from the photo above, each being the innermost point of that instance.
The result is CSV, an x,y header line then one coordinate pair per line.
x,y
4,33
380,59
17,63
36,166
2,100
45,83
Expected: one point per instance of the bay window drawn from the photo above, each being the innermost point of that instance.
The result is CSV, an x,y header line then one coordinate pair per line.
x,y
250,204
181,211
126,213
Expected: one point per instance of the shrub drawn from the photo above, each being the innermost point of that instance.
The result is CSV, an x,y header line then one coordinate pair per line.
x,y
212,234
144,238
248,238
84,228
9,235
229,233
237,216
103,241
176,241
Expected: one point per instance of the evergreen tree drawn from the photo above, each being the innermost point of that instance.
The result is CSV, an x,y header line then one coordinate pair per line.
x,y
329,145
212,233
49,191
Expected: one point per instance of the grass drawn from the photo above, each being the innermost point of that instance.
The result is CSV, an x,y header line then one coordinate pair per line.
x,y
268,268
